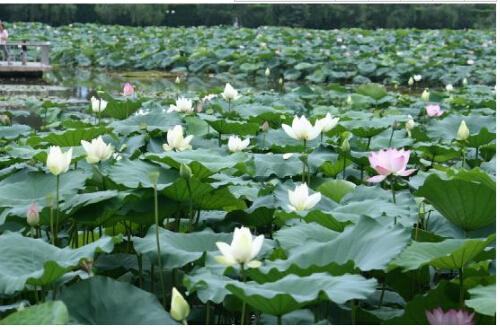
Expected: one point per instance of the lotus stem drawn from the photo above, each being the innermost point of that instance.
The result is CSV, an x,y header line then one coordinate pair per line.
x,y
390,139
393,181
53,226
162,284
229,105
461,280
207,318
191,217
243,308
343,166
353,312
368,143
279,321
304,161
381,300
463,158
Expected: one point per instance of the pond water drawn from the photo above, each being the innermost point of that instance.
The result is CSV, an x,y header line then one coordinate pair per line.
x,y
74,87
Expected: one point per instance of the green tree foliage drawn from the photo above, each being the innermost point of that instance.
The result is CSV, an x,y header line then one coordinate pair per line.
x,y
319,16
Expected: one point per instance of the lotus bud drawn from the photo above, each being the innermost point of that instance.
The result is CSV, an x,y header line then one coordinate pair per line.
x,y
349,100
185,171
33,215
264,127
395,125
230,93
449,87
464,82
98,105
410,124
425,95
177,80
280,81
4,120
463,132
268,72
345,146
411,81
128,89
179,308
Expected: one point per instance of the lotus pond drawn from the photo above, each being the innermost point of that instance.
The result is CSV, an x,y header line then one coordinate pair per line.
x,y
250,176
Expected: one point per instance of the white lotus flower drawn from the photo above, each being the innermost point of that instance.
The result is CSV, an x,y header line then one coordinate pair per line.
x,y
179,307
98,105
464,82
300,200
449,87
417,77
57,161
287,155
208,98
410,124
302,129
268,72
176,140
182,105
97,150
425,95
411,81
230,93
243,249
463,131
326,123
470,62
236,144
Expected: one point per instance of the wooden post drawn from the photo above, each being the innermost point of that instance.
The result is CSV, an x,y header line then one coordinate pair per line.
x,y
44,54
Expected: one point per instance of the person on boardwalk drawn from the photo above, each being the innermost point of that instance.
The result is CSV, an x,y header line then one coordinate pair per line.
x,y
4,36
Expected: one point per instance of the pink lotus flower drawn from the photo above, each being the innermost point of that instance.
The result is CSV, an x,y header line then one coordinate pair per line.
x,y
128,89
389,162
433,110
451,317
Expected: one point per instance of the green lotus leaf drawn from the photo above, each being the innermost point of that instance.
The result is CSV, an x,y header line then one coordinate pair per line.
x,y
25,187
150,122
447,254
466,199
68,138
51,312
137,173
482,299
41,263
293,292
103,300
178,249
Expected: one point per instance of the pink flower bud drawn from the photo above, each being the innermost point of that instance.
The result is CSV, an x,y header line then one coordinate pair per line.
x,y
33,215
128,89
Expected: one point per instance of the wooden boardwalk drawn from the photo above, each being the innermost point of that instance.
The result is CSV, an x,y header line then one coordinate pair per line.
x,y
36,55
20,67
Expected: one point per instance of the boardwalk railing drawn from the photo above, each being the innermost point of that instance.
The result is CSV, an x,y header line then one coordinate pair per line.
x,y
35,52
